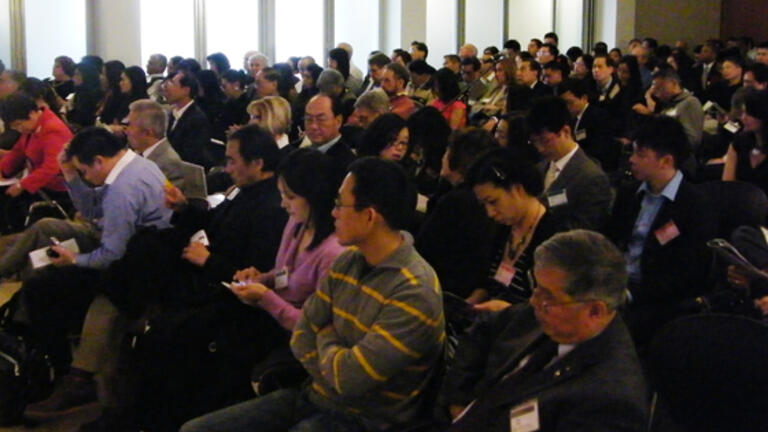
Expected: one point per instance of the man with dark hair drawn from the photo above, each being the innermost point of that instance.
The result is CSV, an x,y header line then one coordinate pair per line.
x,y
591,125
607,92
419,51
371,334
218,63
533,46
42,137
551,38
761,53
322,124
576,190
266,83
547,53
419,88
188,129
528,73
661,224
474,87
376,64
677,102
707,71
452,62
123,193
553,74
394,78
545,364
512,49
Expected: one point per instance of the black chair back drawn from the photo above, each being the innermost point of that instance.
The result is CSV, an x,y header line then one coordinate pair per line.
x,y
736,203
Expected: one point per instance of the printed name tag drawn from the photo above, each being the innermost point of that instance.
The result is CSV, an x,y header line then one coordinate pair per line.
x,y
524,417
667,233
505,273
581,134
281,279
671,113
732,127
557,199
233,194
200,237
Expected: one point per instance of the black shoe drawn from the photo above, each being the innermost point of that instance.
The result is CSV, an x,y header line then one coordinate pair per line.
x,y
70,394
111,420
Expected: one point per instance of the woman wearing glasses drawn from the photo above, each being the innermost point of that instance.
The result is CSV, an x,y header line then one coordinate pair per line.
x,y
508,189
386,137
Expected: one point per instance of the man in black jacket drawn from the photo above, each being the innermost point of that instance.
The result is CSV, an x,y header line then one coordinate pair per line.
x,y
564,362
188,128
662,224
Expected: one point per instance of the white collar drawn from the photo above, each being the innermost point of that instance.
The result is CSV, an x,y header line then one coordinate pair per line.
x,y
119,166
151,148
177,113
563,161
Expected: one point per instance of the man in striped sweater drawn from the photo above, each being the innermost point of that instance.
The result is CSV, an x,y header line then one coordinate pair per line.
x,y
373,331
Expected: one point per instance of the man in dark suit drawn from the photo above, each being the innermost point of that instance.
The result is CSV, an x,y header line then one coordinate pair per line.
x,y
662,224
565,361
576,190
188,129
707,71
323,118
528,74
591,125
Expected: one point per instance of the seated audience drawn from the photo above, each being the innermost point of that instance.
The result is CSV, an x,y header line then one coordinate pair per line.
x,y
331,83
322,125
155,69
218,63
662,224
528,74
273,114
419,51
591,126
722,91
234,112
111,76
371,334
42,137
457,235
428,133
563,362
746,157
386,137
147,123
369,106
509,190
188,128
576,190
452,62
133,86
338,59
309,75
58,296
394,78
494,102
553,74
473,88
376,64
63,71
210,99
82,108
419,88
448,100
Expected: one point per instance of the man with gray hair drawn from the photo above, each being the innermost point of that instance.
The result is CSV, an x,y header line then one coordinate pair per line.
x,y
565,361
147,123
394,78
676,102
332,83
155,73
370,106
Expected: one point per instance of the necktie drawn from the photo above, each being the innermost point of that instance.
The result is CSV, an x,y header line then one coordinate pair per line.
x,y
551,175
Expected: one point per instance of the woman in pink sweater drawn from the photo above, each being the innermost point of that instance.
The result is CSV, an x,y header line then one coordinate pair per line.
x,y
308,246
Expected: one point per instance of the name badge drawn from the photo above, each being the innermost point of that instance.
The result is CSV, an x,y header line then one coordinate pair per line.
x,y
581,134
732,127
667,233
557,199
602,98
281,279
505,273
671,113
524,417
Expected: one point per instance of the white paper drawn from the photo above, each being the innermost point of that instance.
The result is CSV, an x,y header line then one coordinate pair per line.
x,y
200,237
8,181
40,259
525,417
421,203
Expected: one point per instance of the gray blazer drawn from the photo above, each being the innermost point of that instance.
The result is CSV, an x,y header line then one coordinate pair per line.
x,y
587,191
169,163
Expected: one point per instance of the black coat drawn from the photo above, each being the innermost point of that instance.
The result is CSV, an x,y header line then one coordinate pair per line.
x,y
190,136
595,136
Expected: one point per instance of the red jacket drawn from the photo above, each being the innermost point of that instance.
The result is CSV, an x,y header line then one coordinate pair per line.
x,y
39,150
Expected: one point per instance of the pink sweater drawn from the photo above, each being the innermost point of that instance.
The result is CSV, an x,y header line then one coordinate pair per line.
x,y
305,270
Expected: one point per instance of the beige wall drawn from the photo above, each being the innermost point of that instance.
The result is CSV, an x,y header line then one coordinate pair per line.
x,y
116,30
693,21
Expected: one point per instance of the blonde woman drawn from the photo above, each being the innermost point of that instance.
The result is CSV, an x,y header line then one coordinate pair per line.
x,y
273,114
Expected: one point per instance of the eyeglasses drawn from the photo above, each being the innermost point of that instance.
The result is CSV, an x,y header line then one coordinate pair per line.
x,y
337,204
547,305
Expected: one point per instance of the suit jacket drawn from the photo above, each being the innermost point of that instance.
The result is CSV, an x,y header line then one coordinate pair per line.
x,y
676,270
540,90
598,386
712,77
594,134
190,136
169,163
587,190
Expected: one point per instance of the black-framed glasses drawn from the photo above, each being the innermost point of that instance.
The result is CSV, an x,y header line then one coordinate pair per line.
x,y
337,204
